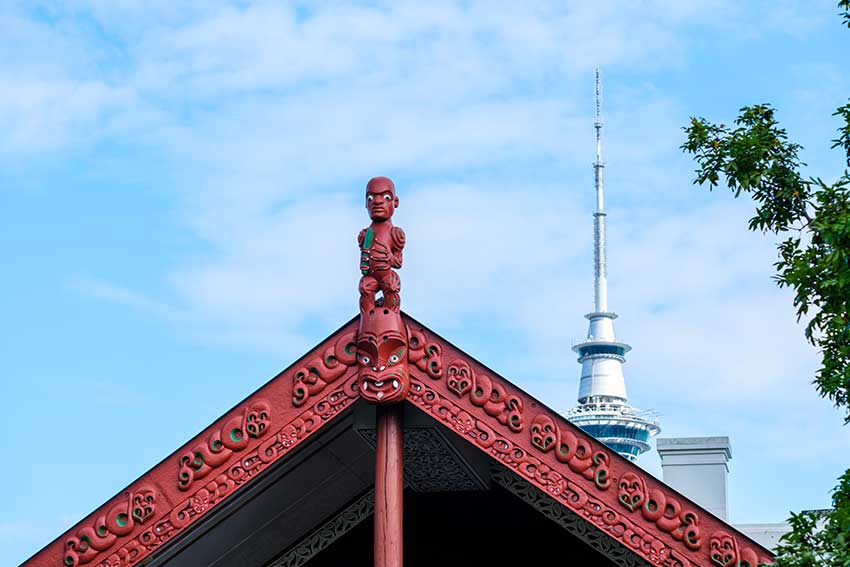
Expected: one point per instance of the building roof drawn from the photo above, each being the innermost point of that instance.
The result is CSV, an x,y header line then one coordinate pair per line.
x,y
286,460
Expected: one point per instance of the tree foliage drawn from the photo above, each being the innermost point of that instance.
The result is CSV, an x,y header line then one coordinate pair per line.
x,y
755,157
812,217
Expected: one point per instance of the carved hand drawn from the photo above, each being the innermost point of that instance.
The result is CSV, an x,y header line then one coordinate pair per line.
x,y
380,256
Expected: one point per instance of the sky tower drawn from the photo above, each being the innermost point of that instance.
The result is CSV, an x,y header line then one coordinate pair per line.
x,y
603,409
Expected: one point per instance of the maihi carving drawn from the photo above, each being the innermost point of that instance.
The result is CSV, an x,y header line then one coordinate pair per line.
x,y
233,436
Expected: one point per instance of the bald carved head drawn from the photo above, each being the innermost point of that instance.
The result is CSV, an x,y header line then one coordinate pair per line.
x,y
381,200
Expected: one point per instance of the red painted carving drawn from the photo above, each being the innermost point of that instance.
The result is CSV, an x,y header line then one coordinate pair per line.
x,y
232,477
233,436
485,393
570,449
381,246
155,509
658,524
382,345
567,463
124,518
382,357
547,477
726,552
664,510
314,376
427,355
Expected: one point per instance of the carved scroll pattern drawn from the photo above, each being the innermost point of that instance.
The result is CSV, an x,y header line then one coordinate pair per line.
x,y
222,485
544,477
317,373
233,436
425,354
665,511
570,449
485,393
726,552
135,509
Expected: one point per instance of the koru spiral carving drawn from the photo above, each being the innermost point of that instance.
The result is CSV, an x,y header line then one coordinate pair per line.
x,y
233,436
136,508
666,511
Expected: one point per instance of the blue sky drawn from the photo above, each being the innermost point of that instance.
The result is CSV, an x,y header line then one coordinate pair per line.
x,y
181,185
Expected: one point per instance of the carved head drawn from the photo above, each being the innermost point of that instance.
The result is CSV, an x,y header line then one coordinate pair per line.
x,y
382,357
381,200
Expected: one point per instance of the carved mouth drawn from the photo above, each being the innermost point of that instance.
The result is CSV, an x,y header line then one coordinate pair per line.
x,y
388,387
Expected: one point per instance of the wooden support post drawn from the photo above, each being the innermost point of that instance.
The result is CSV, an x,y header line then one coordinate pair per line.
x,y
389,486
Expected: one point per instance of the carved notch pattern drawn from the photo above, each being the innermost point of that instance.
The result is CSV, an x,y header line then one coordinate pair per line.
x,y
215,490
135,509
233,436
328,533
485,393
725,551
430,464
544,477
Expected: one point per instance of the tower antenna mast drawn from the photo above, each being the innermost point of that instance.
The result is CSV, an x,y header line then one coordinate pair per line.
x,y
600,289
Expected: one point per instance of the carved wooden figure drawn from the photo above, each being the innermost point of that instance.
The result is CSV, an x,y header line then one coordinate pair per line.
x,y
382,349
381,246
382,357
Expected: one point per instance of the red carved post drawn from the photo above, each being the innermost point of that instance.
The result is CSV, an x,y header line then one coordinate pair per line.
x,y
382,355
389,487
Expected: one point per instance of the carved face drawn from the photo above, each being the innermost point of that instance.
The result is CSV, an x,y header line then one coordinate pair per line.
x,y
382,358
381,200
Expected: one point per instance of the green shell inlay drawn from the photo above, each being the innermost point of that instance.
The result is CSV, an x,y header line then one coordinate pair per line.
x,y
236,435
367,240
600,479
121,520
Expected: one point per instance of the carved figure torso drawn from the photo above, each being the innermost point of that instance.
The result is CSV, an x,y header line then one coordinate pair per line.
x,y
381,246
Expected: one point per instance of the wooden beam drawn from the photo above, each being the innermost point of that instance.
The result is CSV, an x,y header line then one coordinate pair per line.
x,y
389,486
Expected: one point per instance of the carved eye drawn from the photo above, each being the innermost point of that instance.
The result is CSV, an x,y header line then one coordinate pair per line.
x,y
365,359
387,197
394,358
370,197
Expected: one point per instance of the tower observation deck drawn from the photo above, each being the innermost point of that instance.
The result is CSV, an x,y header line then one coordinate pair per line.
x,y
603,409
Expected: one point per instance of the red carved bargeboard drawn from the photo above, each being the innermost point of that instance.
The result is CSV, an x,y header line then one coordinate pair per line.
x,y
611,493
520,433
216,464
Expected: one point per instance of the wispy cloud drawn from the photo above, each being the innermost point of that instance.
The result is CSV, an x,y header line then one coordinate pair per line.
x,y
104,290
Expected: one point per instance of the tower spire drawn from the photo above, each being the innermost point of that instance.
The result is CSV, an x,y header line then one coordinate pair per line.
x,y
600,289
603,409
